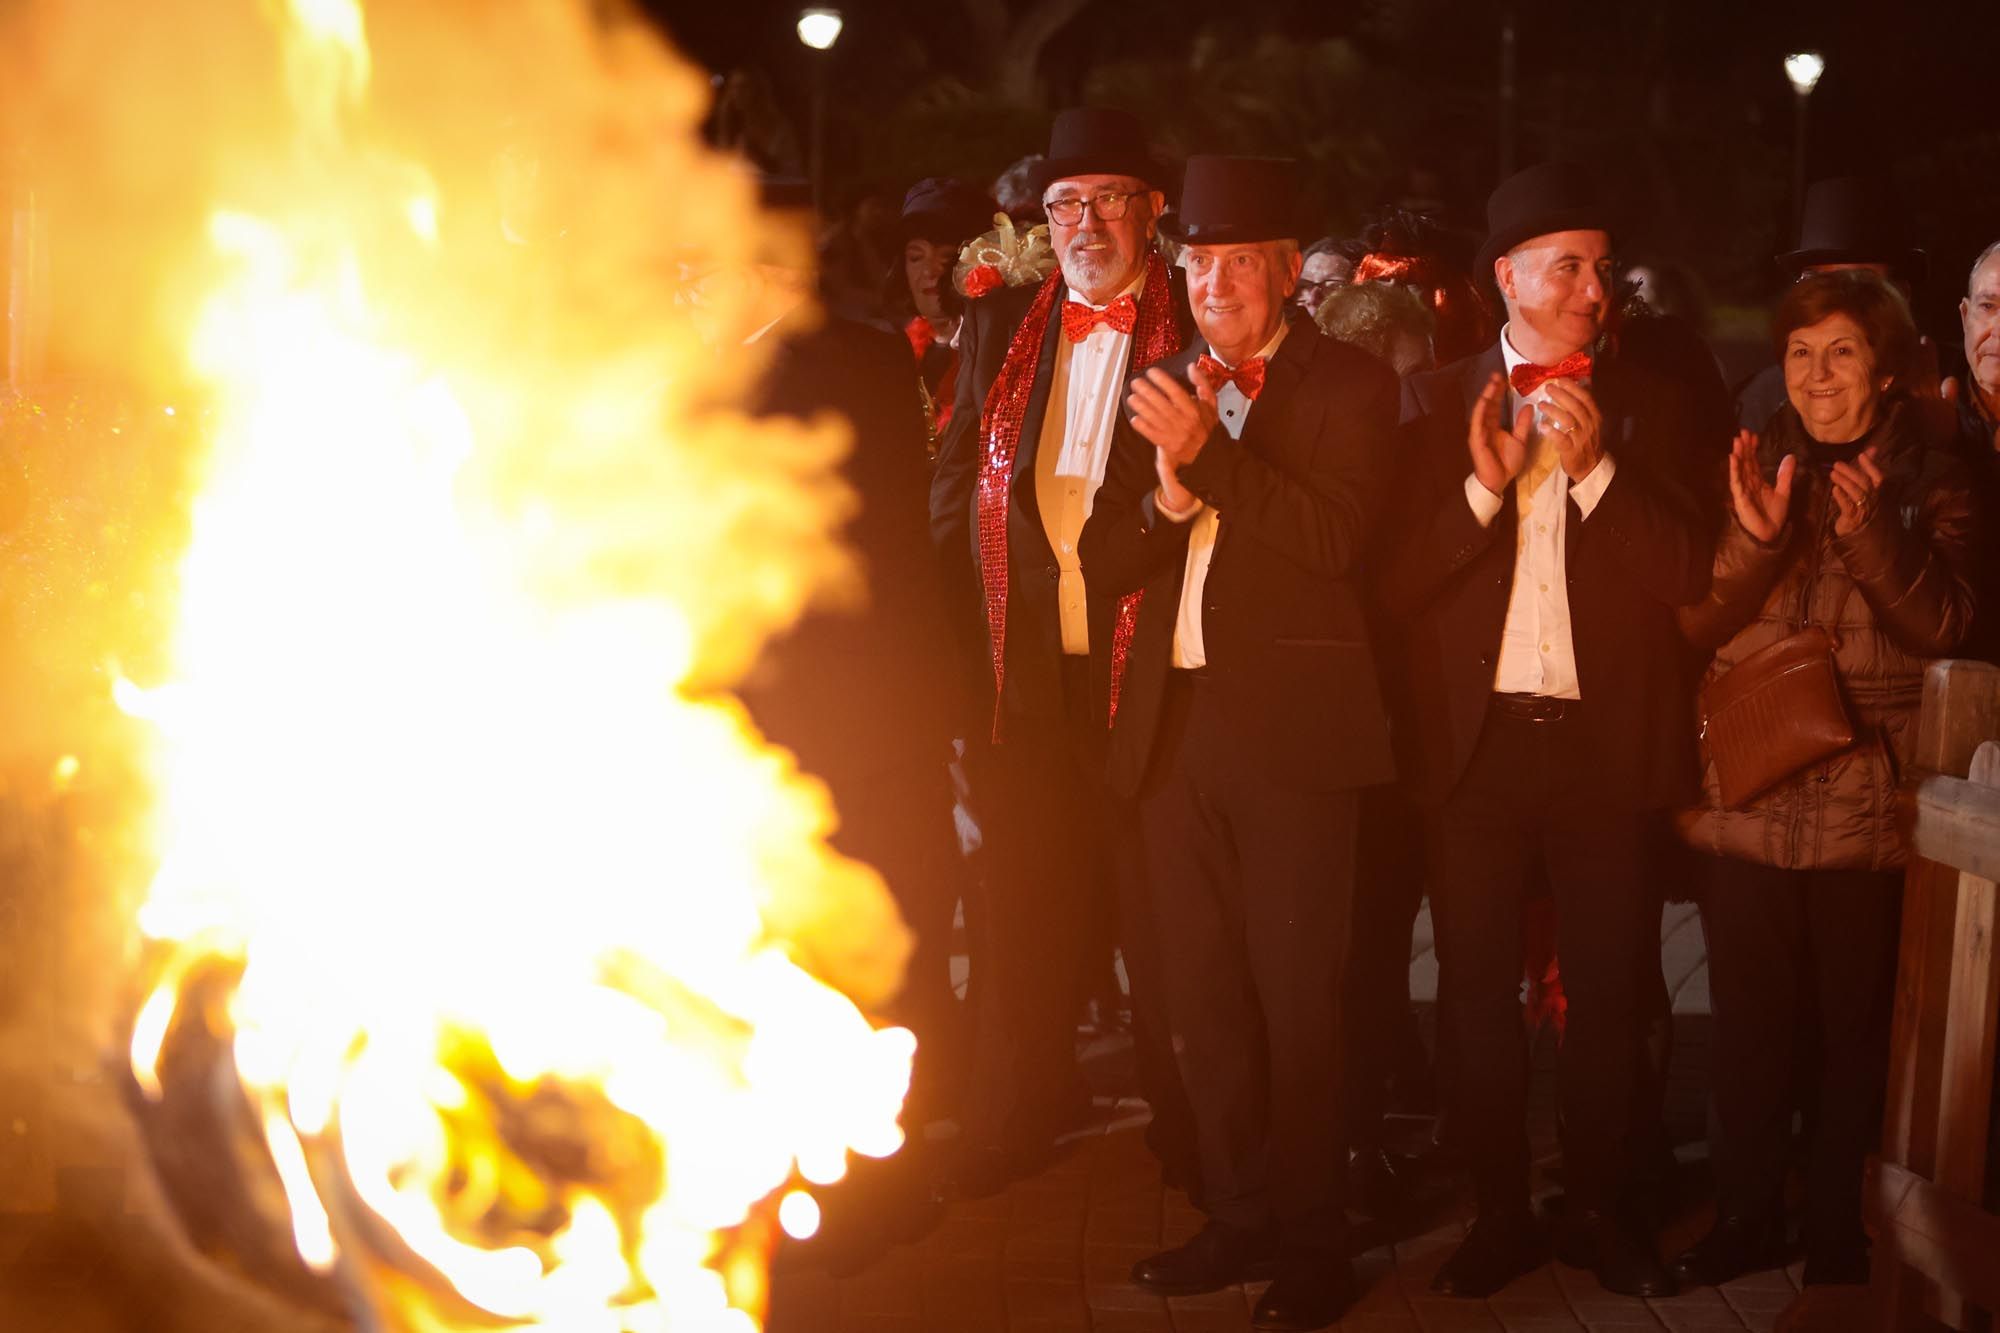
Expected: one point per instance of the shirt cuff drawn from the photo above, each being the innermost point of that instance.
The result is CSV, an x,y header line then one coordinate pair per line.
x,y
1171,514
1485,504
1590,490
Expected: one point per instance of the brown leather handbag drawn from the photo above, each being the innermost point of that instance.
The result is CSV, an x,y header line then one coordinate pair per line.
x,y
1777,711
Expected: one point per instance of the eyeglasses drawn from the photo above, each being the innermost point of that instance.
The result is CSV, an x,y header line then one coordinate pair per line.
x,y
1109,205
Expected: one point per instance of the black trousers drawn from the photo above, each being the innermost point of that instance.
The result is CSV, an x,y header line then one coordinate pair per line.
x,y
1530,797
1778,942
1382,1035
1249,885
1050,829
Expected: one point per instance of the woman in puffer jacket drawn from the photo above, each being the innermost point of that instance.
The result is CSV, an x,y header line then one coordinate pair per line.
x,y
1843,517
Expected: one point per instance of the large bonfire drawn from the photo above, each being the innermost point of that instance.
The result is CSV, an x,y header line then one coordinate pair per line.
x,y
529,962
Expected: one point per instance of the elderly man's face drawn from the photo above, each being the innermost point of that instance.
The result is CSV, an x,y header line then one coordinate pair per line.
x,y
1558,292
1980,313
1238,293
1101,256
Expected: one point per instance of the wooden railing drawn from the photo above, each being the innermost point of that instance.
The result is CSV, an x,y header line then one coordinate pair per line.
x,y
1937,1244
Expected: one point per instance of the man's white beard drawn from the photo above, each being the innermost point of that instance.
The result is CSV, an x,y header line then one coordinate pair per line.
x,y
1088,270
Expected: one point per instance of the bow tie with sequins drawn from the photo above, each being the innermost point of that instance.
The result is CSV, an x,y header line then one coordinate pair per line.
x,y
1079,319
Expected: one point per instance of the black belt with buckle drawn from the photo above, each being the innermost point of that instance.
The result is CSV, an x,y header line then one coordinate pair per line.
x,y
1533,707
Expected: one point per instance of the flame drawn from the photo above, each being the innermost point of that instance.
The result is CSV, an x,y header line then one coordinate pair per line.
x,y
523,930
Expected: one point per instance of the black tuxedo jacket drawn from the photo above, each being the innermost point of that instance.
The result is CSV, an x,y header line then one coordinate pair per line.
x,y
1033,690
1283,624
858,691
1645,550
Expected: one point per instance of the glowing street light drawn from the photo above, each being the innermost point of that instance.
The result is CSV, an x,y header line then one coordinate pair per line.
x,y
1802,69
820,28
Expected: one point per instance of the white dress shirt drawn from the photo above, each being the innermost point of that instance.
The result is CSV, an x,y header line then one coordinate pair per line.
x,y
1537,655
1084,388
1233,409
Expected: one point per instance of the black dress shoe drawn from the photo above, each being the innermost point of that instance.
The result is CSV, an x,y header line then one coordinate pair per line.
x,y
1308,1293
1597,1241
1218,1256
1494,1253
1733,1246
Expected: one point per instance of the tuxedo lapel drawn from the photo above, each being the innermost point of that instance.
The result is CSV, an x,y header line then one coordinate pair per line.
x,y
1038,397
1477,372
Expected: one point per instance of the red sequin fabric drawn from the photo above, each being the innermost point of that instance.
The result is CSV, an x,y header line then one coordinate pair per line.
x,y
1121,316
1155,336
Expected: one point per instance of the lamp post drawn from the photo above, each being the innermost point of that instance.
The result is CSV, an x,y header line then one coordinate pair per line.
x,y
819,29
1803,69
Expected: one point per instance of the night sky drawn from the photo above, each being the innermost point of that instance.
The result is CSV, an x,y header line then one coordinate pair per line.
x,y
1685,102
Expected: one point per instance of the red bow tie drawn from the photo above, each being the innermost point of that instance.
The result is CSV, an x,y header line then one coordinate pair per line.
x,y
1528,375
1079,319
1248,377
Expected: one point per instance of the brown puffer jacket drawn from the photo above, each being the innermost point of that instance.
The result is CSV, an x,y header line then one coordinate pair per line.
x,y
1898,591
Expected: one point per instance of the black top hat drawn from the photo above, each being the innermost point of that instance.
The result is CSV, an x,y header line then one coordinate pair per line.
x,y
1098,141
1853,220
939,208
1237,200
1549,197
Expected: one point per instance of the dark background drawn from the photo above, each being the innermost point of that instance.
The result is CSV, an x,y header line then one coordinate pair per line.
x,y
1683,102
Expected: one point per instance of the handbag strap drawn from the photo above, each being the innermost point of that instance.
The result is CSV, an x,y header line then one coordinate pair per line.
x,y
1805,594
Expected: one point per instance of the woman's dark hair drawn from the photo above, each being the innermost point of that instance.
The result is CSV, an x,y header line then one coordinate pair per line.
x,y
1865,298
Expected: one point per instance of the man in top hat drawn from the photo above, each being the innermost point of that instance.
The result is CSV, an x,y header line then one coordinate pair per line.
x,y
1845,222
1248,718
1546,533
1042,369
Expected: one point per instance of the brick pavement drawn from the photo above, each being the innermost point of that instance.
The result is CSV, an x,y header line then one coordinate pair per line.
x,y
1053,1255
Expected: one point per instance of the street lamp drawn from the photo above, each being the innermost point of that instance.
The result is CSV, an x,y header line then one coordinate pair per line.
x,y
1803,69
819,29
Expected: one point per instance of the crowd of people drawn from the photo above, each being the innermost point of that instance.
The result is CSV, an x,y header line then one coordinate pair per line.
x,y
1272,584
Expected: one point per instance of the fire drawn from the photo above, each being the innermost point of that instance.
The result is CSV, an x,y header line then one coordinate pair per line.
x,y
525,944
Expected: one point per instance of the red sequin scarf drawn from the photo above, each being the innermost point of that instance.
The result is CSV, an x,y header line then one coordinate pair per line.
x,y
1001,420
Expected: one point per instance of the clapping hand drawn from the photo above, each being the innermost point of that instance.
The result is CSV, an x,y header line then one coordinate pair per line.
x,y
1856,486
1177,422
1498,455
1761,507
1573,418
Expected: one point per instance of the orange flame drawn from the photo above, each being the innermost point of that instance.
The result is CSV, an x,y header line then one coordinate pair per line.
x,y
520,919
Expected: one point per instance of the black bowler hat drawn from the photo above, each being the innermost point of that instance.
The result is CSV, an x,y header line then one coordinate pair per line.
x,y
1237,200
1550,197
1098,141
1853,220
939,208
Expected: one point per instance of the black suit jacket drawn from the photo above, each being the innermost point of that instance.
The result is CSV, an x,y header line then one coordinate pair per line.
x,y
1645,549
858,691
1034,697
1283,624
